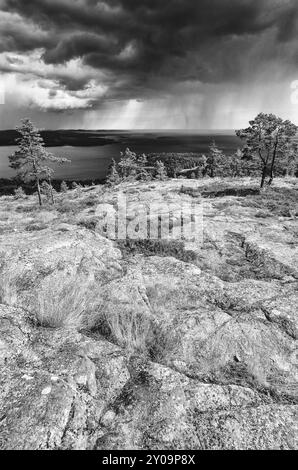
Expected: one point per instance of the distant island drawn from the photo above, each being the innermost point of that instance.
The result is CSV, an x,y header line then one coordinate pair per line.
x,y
57,138
90,138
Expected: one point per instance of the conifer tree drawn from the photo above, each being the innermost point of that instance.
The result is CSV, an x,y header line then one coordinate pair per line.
x,y
46,190
236,163
63,187
113,177
142,171
31,159
128,164
161,173
19,193
268,138
290,160
215,160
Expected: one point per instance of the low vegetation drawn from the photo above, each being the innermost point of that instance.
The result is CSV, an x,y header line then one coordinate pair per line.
x,y
269,139
269,150
282,202
63,304
147,247
130,330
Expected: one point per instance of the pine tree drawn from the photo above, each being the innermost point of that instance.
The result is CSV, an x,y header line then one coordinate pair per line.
x,y
19,193
268,138
204,165
235,163
113,176
128,164
63,187
31,159
215,160
290,160
142,172
161,173
45,190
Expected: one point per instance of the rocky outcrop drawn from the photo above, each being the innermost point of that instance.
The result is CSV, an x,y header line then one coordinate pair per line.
x,y
63,390
162,353
54,264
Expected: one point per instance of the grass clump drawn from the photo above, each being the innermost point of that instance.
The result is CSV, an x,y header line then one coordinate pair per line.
x,y
64,304
130,330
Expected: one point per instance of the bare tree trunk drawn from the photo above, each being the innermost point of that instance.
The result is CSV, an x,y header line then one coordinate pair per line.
x,y
271,178
271,175
38,192
272,166
51,190
264,172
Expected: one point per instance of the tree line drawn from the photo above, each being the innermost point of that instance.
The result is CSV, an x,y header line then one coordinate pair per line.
x,y
269,149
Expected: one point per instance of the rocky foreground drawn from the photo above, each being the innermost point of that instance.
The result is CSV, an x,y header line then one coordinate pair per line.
x,y
107,345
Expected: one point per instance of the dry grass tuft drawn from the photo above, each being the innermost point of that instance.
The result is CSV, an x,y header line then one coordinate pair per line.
x,y
64,304
8,293
130,330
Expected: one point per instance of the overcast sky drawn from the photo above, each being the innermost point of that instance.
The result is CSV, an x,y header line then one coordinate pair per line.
x,y
159,64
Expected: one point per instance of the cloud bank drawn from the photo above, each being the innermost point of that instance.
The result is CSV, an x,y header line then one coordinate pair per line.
x,y
147,63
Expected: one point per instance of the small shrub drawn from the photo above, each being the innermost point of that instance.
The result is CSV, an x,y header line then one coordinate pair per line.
x,y
35,227
161,172
63,187
190,191
66,206
19,193
46,189
89,224
160,247
26,209
91,200
229,191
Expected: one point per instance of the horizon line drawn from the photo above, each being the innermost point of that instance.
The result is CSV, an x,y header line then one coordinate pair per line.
x,y
128,130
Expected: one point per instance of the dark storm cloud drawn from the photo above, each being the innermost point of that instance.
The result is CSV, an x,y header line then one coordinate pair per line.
x,y
78,45
147,45
17,35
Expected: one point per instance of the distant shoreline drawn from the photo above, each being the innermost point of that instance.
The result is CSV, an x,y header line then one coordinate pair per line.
x,y
91,153
91,138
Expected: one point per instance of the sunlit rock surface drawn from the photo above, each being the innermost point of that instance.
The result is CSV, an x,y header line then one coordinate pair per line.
x,y
154,347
